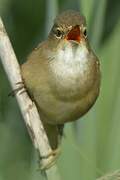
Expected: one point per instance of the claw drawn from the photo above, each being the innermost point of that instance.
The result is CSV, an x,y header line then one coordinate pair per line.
x,y
18,90
21,82
51,159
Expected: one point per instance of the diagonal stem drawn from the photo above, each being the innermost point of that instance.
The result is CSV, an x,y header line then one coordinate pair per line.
x,y
27,107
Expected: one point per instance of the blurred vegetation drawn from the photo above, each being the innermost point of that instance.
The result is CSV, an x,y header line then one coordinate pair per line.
x,y
91,145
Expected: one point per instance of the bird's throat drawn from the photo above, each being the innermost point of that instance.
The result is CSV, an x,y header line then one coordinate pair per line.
x,y
70,60
70,70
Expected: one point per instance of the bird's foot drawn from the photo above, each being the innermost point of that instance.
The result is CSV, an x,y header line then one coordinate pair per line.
x,y
51,159
20,89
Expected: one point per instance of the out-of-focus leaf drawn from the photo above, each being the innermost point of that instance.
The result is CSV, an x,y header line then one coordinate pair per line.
x,y
68,4
108,124
69,161
97,22
86,7
51,12
4,6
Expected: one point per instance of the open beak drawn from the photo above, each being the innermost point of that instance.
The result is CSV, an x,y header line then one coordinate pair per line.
x,y
74,34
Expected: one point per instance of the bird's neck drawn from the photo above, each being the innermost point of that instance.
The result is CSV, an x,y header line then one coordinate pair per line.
x,y
70,60
69,69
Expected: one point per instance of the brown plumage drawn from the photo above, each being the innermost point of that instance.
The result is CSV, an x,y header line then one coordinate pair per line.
x,y
62,75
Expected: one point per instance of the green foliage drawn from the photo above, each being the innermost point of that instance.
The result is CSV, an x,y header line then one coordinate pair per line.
x,y
91,145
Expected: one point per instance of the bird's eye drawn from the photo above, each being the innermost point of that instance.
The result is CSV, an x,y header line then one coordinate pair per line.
x,y
85,32
58,33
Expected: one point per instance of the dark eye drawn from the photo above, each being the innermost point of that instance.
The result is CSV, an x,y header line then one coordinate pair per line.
x,y
58,33
85,32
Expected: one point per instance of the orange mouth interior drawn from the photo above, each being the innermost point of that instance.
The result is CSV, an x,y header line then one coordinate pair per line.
x,y
74,34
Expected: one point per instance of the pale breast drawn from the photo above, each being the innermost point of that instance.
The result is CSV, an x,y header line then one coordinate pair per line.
x,y
72,71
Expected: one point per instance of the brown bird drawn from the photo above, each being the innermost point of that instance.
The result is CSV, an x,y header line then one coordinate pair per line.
x,y
62,75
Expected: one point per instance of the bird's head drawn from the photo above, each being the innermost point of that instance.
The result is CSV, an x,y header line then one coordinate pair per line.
x,y
69,27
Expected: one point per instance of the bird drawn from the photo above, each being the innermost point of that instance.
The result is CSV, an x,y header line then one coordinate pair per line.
x,y
62,75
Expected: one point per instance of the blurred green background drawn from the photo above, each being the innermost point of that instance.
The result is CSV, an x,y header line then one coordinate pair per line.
x,y
91,146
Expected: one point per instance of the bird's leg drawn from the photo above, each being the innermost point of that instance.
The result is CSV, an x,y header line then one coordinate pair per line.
x,y
53,155
54,133
21,89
